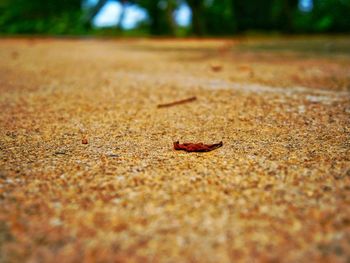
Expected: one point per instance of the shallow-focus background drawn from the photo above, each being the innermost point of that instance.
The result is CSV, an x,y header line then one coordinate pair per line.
x,y
173,17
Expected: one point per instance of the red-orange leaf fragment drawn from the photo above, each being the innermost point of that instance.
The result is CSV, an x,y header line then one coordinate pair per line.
x,y
216,68
196,147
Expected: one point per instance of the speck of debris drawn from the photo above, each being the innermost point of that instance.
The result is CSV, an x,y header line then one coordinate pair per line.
x,y
60,152
113,155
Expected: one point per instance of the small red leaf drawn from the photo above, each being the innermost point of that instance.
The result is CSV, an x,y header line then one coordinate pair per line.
x,y
216,68
196,147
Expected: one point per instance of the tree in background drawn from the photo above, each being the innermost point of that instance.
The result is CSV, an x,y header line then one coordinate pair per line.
x,y
160,14
283,13
256,15
220,18
209,17
198,18
40,16
331,15
326,16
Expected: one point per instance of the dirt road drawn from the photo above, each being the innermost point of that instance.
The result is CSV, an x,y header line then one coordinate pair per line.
x,y
277,191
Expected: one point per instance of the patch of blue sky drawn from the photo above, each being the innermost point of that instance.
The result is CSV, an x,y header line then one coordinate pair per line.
x,y
306,5
110,14
183,15
133,15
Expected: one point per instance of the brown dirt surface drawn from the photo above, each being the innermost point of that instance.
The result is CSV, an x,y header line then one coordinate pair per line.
x,y
88,172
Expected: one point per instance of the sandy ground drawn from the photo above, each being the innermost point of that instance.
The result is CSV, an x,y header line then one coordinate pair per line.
x,y
277,191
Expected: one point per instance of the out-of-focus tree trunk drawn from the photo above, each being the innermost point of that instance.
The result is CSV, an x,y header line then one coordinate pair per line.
x,y
171,6
252,14
288,8
121,16
197,8
160,15
154,14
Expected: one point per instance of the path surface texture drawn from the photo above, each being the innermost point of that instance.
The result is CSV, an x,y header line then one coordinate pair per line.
x,y
88,172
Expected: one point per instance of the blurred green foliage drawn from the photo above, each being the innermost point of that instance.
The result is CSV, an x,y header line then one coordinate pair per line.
x,y
160,15
220,18
209,17
40,17
327,16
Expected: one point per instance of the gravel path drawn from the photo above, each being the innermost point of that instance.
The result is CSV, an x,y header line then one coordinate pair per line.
x,y
277,191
